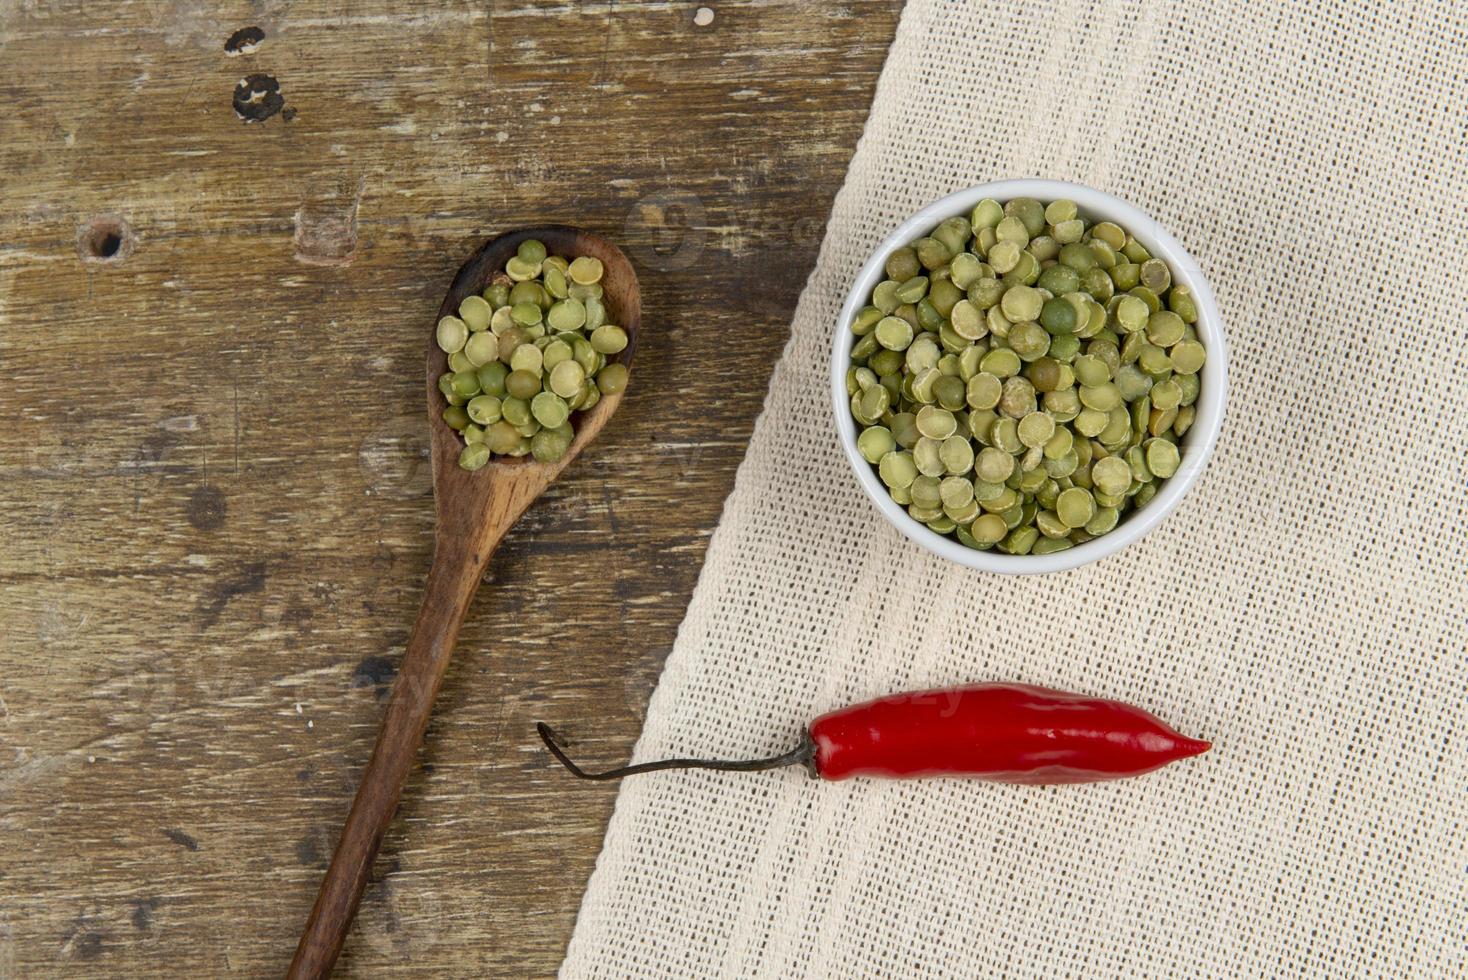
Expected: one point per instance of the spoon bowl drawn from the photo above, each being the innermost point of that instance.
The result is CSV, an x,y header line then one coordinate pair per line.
x,y
624,307
476,509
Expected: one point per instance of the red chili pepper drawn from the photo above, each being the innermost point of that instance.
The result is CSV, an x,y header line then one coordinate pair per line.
x,y
1012,733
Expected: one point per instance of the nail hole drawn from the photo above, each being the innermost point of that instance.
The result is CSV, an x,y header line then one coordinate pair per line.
x,y
105,238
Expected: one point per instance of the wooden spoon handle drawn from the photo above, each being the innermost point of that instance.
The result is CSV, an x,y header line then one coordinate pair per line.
x,y
452,580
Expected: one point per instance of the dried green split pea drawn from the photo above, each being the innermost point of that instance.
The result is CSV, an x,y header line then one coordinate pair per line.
x,y
526,354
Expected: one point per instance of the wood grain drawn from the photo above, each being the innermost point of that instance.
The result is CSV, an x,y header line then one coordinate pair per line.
x,y
215,508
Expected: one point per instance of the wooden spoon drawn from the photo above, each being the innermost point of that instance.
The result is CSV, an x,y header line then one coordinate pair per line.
x,y
475,511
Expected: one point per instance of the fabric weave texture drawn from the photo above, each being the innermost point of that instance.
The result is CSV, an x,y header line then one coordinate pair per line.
x,y
1306,608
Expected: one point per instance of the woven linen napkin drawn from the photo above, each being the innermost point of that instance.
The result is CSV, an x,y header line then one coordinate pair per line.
x,y
1306,608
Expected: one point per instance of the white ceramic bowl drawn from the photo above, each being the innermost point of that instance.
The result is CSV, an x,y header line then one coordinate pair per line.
x,y
1196,446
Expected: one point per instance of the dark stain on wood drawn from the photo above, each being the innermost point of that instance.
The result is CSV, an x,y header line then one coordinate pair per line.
x,y
308,851
207,508
182,839
298,617
83,939
374,672
257,97
143,909
244,41
246,581
384,869
89,945
156,446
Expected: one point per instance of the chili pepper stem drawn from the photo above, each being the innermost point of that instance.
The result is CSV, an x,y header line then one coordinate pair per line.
x,y
803,754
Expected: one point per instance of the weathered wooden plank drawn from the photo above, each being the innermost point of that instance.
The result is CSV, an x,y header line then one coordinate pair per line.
x,y
213,495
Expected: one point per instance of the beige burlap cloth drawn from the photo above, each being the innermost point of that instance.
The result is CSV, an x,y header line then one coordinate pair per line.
x,y
1306,608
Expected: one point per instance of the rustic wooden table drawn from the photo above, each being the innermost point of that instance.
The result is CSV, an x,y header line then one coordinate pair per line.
x,y
215,513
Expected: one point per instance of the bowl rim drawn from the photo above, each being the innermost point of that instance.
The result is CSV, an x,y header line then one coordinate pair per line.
x,y
1197,447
